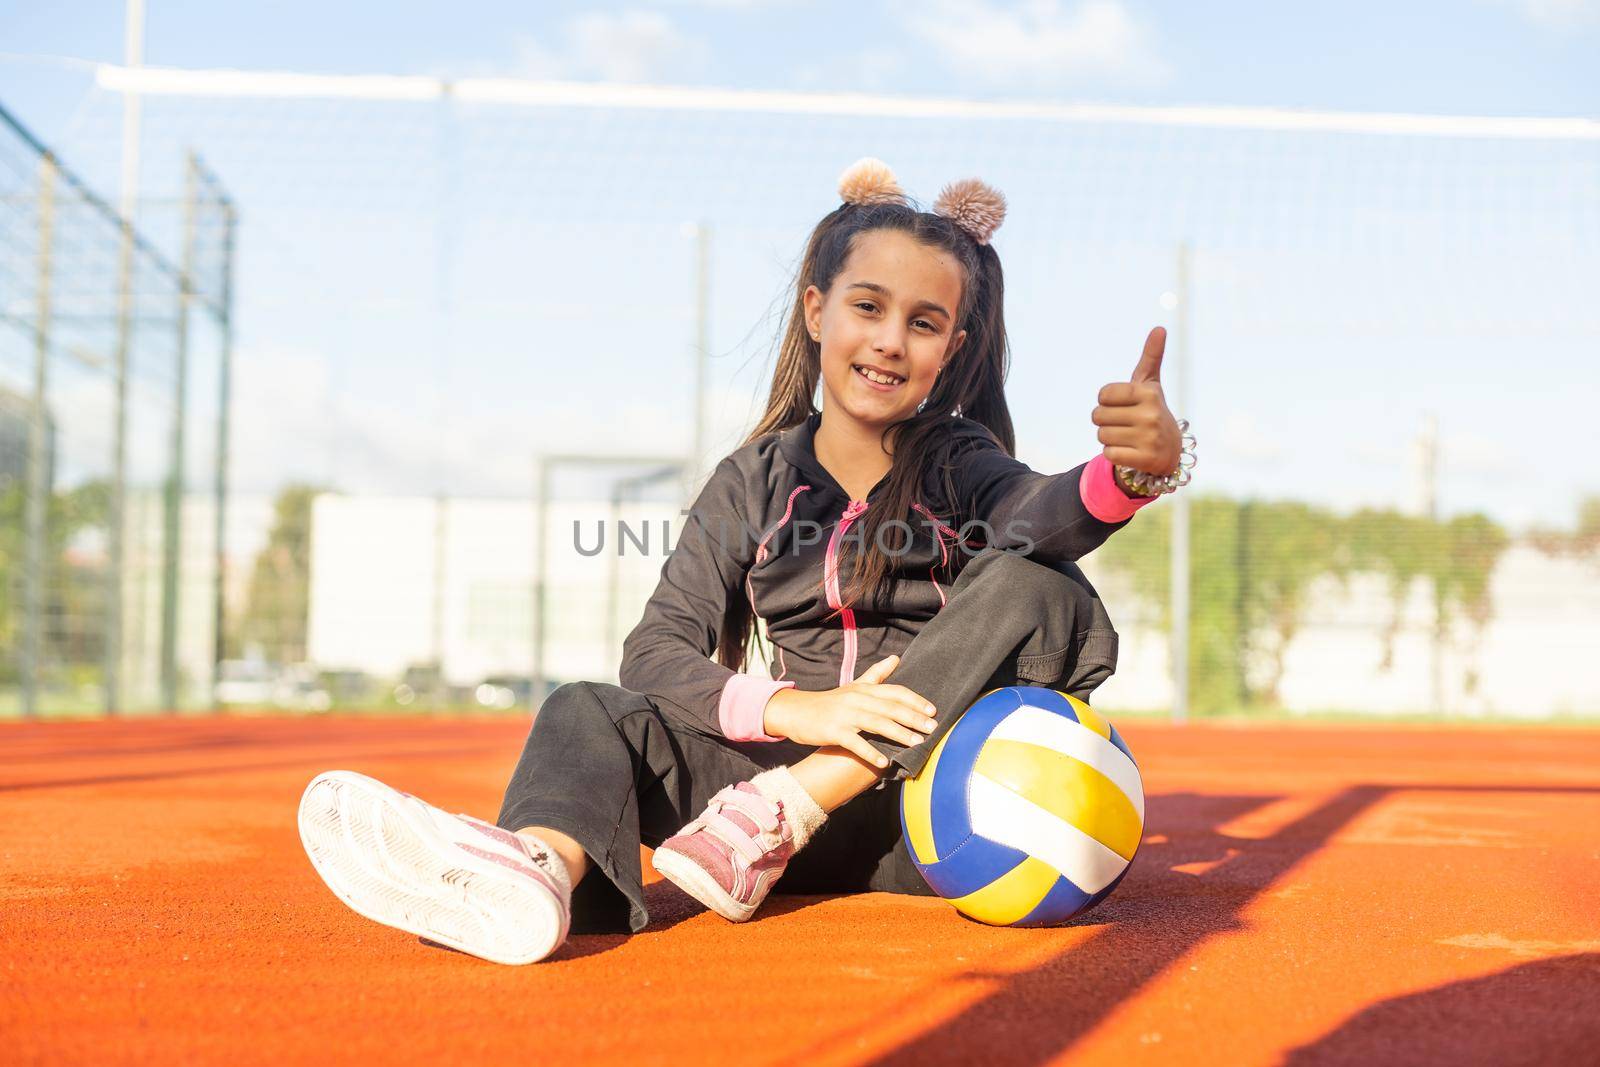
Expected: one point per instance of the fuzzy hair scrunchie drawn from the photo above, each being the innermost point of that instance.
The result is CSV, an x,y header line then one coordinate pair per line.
x,y
974,205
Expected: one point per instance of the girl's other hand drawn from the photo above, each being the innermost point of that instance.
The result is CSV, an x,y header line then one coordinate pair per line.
x,y
1136,427
840,716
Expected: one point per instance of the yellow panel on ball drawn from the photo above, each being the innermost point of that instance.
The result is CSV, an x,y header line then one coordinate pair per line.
x,y
916,798
1088,716
1011,896
1067,788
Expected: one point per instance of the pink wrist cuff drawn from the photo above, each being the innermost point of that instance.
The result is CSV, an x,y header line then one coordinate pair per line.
x,y
1103,496
743,707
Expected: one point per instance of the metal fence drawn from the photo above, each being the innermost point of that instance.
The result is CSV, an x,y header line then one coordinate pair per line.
x,y
114,360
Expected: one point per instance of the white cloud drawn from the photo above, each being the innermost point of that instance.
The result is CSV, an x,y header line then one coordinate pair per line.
x,y
1039,44
874,70
622,46
1560,14
297,417
728,5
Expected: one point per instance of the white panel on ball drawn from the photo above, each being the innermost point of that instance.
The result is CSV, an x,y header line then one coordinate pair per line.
x,y
1005,818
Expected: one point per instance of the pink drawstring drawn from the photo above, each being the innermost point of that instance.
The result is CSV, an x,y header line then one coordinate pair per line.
x,y
944,556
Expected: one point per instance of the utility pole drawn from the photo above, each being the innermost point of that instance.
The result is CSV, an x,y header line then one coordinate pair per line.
x,y
116,548
1178,376
219,595
172,537
702,350
1427,456
39,449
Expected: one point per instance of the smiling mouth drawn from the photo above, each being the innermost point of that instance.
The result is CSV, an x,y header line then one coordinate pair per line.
x,y
875,376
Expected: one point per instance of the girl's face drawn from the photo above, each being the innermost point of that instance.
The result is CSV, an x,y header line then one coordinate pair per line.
x,y
886,327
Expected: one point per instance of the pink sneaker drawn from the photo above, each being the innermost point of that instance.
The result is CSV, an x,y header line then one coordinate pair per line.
x,y
729,858
453,879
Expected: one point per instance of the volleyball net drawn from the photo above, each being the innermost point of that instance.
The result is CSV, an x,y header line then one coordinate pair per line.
x,y
1377,329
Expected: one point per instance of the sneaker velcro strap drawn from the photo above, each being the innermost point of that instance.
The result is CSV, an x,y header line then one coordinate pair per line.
x,y
758,809
725,829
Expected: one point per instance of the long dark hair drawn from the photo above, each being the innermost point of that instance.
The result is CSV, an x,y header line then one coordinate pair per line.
x,y
972,385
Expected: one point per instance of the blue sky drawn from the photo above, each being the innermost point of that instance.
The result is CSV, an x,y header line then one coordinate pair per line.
x,y
1498,57
399,333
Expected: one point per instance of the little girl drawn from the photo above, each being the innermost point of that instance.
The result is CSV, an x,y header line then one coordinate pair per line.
x,y
960,579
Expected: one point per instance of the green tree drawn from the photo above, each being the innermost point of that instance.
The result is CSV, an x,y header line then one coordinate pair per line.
x,y
1456,556
1142,551
1399,547
274,617
1284,547
1582,540
1253,564
73,603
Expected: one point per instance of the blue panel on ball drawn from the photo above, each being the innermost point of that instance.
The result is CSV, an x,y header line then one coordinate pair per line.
x,y
969,868
1116,739
952,823
1037,696
1060,904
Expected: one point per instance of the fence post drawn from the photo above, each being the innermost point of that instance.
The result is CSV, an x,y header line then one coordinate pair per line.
x,y
116,547
439,689
541,564
224,391
39,444
702,350
172,537
1180,507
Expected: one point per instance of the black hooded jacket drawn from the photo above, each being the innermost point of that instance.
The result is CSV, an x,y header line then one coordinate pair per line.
x,y
767,527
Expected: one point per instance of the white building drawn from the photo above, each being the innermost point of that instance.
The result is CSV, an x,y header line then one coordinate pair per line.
x,y
406,580
403,581
1538,657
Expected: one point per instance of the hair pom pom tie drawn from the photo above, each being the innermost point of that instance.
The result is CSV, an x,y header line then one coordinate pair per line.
x,y
870,181
976,207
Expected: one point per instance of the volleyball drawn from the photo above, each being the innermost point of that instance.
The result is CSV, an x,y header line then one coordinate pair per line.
x,y
1029,810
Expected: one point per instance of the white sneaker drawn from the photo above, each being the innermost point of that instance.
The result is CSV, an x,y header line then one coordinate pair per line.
x,y
453,879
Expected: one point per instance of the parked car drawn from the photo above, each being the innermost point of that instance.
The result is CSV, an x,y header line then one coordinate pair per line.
x,y
348,687
504,691
246,682
299,687
254,683
420,681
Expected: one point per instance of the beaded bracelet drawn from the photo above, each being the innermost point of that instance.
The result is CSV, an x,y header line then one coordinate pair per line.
x,y
1142,483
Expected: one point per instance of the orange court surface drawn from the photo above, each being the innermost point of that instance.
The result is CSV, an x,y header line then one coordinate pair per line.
x,y
1305,894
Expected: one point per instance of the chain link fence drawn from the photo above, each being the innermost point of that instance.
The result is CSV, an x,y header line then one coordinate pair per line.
x,y
114,344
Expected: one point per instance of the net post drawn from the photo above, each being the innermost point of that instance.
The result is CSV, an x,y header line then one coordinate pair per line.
x,y
1180,504
38,444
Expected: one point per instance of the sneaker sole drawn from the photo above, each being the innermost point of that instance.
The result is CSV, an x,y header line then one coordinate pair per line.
x,y
690,877
390,865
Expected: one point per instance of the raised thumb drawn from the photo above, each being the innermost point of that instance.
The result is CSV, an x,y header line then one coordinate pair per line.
x,y
1149,368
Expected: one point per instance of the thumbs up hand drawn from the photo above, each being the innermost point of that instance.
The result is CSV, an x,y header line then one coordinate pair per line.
x,y
1136,427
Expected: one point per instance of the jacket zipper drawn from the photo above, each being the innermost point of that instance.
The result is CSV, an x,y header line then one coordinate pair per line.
x,y
830,572
761,555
